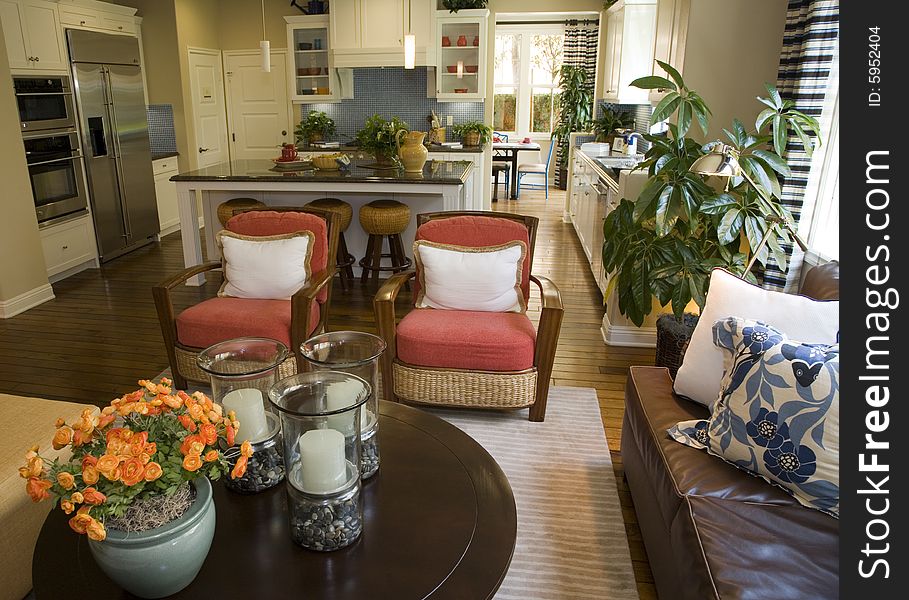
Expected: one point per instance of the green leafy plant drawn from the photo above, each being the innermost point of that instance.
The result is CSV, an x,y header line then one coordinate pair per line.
x,y
610,121
576,101
456,5
378,135
478,127
317,125
665,243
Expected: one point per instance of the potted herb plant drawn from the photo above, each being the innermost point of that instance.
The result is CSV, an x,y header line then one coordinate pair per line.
x,y
473,133
137,483
665,242
456,5
605,127
576,101
379,136
314,128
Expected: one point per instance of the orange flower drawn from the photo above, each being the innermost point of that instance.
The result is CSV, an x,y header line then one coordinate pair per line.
x,y
192,462
148,385
93,496
107,466
90,474
144,458
67,506
62,437
188,441
118,447
32,468
173,402
88,459
196,411
59,422
104,420
230,433
66,480
152,471
81,520
37,488
217,409
133,471
187,423
96,531
137,443
246,448
77,498
80,437
211,456
151,448
239,469
209,434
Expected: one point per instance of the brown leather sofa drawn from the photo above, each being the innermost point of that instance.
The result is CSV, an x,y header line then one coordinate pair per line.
x,y
713,531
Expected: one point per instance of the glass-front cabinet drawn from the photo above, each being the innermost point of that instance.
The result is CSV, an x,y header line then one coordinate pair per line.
x,y
461,55
311,74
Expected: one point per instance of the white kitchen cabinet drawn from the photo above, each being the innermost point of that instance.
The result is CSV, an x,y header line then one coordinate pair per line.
x,y
630,30
670,38
34,39
311,72
88,14
370,33
382,24
460,48
166,194
68,245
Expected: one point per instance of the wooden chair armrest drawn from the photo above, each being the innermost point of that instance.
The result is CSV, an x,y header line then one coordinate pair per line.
x,y
392,286
315,284
300,305
186,273
384,308
547,341
549,293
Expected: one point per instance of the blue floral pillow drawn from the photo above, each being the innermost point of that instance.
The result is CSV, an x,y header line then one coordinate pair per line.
x,y
778,412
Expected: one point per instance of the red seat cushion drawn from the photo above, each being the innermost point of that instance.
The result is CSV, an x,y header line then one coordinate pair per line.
x,y
470,340
219,319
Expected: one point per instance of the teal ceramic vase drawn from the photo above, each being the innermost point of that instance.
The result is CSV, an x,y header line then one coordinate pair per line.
x,y
164,560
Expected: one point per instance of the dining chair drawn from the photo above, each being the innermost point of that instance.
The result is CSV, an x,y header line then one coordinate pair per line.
x,y
535,169
500,167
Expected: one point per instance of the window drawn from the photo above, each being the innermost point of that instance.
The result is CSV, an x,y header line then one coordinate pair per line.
x,y
526,79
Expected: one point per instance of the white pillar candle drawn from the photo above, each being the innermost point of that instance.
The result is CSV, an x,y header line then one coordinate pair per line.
x,y
250,410
340,394
322,461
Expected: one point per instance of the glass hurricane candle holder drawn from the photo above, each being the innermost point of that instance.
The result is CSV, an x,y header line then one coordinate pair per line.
x,y
320,426
358,354
241,371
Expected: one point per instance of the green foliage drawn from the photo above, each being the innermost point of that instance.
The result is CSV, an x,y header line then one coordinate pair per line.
x,y
485,131
378,135
576,101
665,243
316,122
610,121
456,5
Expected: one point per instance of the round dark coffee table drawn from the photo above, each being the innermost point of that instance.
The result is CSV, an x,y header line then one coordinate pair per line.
x,y
440,522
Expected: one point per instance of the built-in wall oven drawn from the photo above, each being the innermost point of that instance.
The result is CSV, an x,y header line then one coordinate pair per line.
x,y
44,102
55,168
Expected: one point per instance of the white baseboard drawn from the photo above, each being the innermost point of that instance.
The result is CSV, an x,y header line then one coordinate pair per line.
x,y
89,264
628,335
566,216
23,302
169,229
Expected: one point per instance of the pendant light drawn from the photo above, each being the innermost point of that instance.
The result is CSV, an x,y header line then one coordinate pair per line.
x,y
265,45
410,44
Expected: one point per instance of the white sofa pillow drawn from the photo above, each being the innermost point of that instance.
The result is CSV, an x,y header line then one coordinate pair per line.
x,y
486,279
265,267
802,318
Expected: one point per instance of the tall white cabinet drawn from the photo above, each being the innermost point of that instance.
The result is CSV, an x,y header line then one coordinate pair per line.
x,y
630,30
34,39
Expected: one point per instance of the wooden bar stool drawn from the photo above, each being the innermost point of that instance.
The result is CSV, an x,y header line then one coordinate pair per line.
x,y
345,216
498,168
226,209
381,219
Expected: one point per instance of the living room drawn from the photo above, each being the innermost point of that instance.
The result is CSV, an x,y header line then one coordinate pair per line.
x,y
613,374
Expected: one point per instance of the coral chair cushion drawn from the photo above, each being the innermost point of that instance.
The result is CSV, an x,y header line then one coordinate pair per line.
x,y
475,232
272,222
469,340
219,319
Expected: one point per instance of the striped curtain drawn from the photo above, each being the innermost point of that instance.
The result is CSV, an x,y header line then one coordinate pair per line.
x,y
809,52
579,50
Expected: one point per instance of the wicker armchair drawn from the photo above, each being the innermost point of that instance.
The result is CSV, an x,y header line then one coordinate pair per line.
x,y
218,319
464,358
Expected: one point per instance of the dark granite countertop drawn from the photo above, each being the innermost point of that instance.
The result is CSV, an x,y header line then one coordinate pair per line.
x,y
434,172
356,149
160,155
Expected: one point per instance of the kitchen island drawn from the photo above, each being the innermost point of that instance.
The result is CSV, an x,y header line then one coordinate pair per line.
x,y
443,185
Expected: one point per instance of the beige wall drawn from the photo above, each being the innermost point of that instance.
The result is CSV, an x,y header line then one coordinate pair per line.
x,y
733,48
22,266
240,23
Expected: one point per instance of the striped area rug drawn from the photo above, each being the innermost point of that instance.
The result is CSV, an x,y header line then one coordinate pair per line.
x,y
571,540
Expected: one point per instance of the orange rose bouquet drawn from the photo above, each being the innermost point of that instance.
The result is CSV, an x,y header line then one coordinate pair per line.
x,y
145,445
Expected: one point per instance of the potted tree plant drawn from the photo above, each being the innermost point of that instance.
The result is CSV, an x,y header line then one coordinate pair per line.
x,y
473,133
379,136
576,101
456,5
605,127
665,243
314,128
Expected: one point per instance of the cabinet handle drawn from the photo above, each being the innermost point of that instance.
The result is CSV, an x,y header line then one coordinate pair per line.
x,y
37,59
119,26
81,22
66,247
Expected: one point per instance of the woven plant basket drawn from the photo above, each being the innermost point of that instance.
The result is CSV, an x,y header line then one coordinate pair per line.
x,y
471,138
672,340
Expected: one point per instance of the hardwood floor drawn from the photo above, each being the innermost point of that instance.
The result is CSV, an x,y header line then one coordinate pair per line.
x,y
101,334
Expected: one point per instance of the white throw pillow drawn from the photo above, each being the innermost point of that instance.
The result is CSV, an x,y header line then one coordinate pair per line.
x,y
266,267
801,318
486,279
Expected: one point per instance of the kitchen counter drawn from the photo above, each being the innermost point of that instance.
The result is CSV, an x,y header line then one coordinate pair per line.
x,y
608,167
434,172
356,149
160,155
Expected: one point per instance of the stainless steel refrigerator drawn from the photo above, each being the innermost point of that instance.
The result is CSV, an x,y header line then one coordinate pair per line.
x,y
111,102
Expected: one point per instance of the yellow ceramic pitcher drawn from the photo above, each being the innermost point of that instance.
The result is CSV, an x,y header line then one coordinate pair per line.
x,y
413,153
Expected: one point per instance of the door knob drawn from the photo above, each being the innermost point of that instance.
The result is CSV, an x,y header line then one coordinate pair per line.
x,y
201,149
283,132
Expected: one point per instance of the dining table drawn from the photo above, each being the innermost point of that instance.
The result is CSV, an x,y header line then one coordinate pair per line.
x,y
508,152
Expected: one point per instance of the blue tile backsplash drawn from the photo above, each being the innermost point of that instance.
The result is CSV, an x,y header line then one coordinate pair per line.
x,y
393,91
161,136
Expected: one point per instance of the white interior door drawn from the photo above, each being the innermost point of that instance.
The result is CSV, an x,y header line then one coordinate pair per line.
x,y
209,113
259,112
